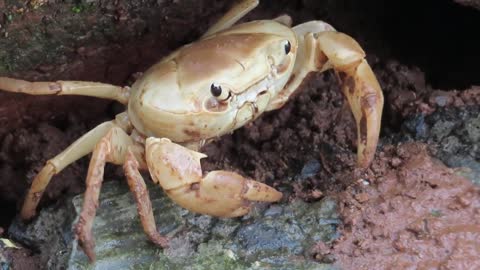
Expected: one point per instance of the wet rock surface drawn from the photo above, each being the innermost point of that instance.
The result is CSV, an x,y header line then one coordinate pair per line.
x,y
454,137
276,237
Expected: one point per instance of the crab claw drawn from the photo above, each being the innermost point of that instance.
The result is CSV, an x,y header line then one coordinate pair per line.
x,y
321,48
360,86
219,193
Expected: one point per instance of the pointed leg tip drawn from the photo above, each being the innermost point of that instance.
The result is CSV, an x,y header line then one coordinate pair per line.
x,y
27,215
365,158
277,196
160,240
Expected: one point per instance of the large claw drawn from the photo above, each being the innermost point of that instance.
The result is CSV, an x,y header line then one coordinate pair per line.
x,y
360,86
320,48
219,193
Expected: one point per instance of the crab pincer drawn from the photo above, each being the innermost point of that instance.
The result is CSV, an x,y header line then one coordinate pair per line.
x,y
219,193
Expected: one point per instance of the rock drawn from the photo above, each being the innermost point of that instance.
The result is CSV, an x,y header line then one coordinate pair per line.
x,y
416,126
473,129
441,129
279,237
311,168
455,134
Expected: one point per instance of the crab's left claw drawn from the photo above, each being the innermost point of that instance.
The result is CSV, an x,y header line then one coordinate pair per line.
x,y
361,88
219,193
320,48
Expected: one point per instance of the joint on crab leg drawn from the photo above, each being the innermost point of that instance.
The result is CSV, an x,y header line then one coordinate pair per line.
x,y
219,193
94,89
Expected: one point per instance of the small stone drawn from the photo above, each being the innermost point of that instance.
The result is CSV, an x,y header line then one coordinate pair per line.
x,y
473,129
395,162
441,129
311,168
316,193
362,197
417,127
451,144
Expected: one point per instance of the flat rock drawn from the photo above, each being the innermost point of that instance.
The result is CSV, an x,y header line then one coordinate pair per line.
x,y
278,236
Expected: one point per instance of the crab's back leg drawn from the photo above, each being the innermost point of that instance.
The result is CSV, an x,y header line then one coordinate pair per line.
x,y
232,16
81,147
76,150
111,148
219,193
94,89
320,48
140,192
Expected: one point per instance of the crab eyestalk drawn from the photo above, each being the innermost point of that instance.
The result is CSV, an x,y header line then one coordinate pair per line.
x,y
219,193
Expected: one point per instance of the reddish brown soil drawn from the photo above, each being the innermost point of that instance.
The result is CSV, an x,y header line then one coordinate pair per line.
x,y
414,214
22,259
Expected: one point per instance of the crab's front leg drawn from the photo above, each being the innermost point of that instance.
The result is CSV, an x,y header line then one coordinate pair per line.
x,y
320,48
219,193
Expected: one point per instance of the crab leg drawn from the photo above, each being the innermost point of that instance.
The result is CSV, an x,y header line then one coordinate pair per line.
x,y
219,193
111,148
321,48
232,16
93,89
144,205
76,150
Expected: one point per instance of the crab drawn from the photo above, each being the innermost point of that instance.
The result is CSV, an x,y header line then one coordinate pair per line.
x,y
203,90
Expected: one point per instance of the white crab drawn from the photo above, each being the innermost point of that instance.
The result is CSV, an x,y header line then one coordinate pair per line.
x,y
201,91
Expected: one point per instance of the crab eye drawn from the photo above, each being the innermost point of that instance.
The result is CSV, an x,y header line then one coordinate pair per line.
x,y
288,47
218,92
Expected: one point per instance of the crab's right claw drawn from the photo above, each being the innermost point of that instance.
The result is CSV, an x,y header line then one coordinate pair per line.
x,y
219,193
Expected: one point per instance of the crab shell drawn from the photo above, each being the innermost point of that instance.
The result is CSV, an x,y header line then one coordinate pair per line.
x,y
173,98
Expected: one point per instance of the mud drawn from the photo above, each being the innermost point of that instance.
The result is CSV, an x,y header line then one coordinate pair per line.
x,y
306,149
415,213
21,259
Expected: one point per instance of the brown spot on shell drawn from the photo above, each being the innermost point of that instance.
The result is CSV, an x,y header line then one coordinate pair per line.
x,y
195,186
55,87
363,127
369,101
192,133
349,84
284,65
213,105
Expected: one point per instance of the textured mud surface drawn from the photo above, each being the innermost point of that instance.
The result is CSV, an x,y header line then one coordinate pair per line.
x,y
416,214
306,150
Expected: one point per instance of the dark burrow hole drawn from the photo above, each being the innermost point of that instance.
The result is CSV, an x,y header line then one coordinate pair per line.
x,y
438,36
8,212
